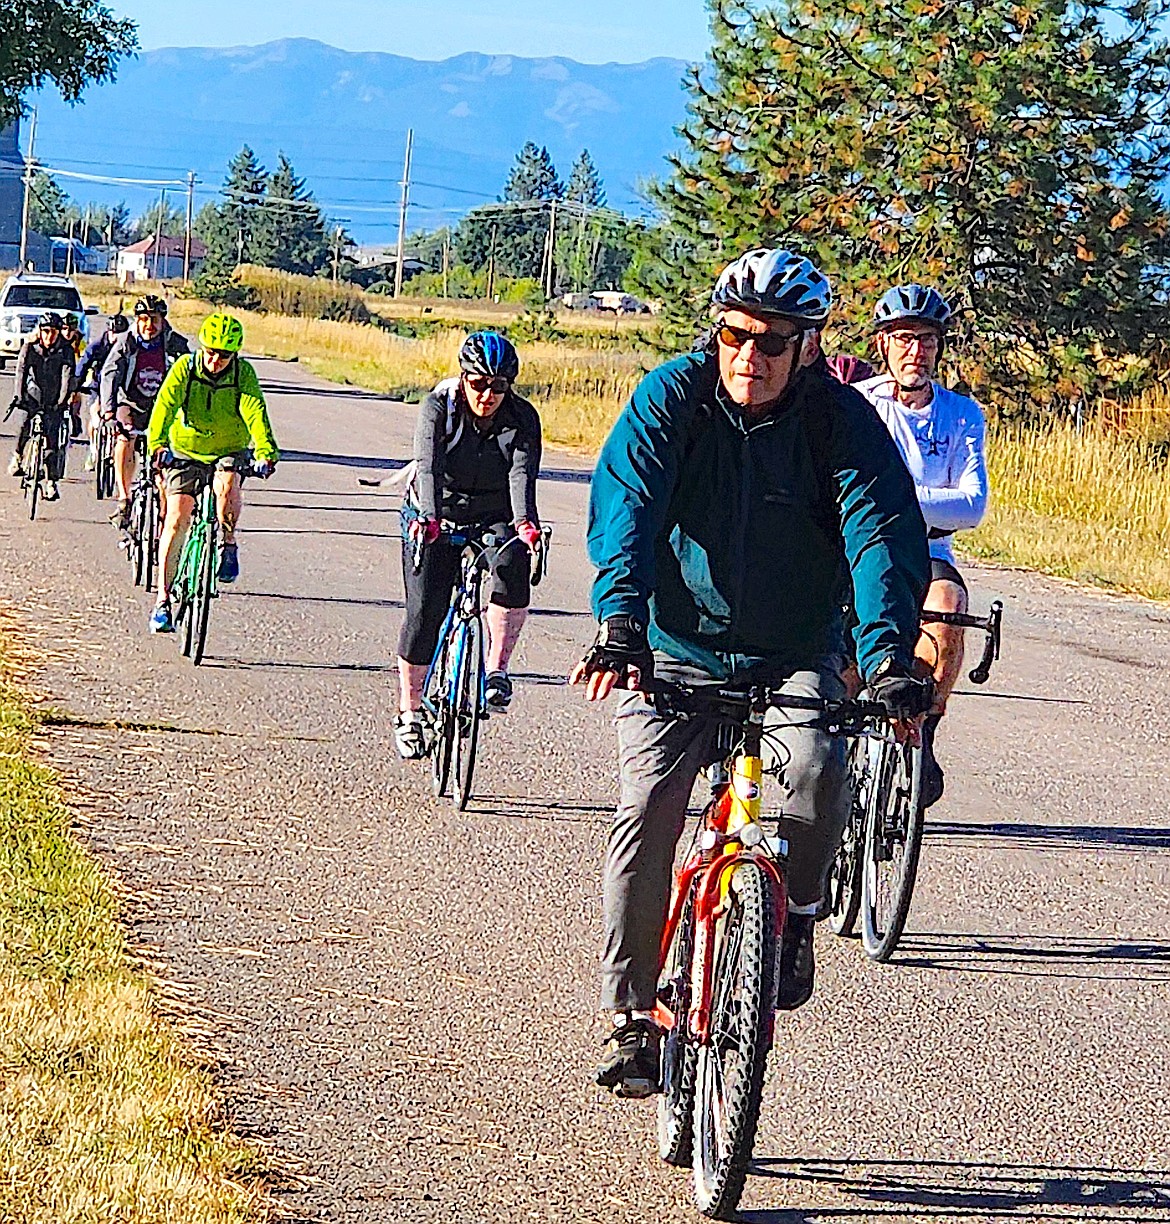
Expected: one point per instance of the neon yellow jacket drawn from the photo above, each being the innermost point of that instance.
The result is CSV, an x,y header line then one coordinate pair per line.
x,y
204,419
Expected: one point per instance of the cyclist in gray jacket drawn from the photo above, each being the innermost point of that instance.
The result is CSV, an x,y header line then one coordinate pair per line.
x,y
740,491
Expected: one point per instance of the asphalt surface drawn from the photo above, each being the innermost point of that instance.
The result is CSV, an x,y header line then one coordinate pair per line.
x,y
403,999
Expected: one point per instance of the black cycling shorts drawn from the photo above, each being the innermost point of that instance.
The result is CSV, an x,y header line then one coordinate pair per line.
x,y
428,590
943,571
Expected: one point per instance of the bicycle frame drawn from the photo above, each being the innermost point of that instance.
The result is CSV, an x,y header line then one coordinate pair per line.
x,y
731,834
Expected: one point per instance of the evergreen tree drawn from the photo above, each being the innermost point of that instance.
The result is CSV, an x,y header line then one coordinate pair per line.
x,y
235,231
585,186
533,177
294,227
174,222
1008,151
48,206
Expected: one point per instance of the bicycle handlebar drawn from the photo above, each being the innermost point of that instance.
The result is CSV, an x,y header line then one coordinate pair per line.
x,y
743,705
992,626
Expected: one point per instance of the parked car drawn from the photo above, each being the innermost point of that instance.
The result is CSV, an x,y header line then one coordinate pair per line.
x,y
25,297
619,302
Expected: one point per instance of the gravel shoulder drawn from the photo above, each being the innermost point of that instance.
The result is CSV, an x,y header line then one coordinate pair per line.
x,y
403,997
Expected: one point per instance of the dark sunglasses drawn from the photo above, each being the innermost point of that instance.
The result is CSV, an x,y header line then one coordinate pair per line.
x,y
481,382
225,354
770,343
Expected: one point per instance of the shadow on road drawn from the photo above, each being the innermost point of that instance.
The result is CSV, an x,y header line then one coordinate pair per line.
x,y
325,531
1030,697
324,599
360,461
527,808
332,392
1054,837
292,665
1068,956
941,1190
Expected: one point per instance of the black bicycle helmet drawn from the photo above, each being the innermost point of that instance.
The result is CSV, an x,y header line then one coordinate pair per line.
x,y
50,319
150,304
489,353
118,323
907,303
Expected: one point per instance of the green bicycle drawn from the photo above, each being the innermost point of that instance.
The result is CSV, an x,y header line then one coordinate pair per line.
x,y
196,580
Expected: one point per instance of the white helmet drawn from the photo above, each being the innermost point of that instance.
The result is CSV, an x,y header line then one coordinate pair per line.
x,y
775,283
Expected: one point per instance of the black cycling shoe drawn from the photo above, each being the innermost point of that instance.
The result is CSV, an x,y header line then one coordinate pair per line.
x,y
797,967
932,774
498,691
631,1066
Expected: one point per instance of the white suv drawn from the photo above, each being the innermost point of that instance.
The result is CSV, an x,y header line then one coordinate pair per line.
x,y
25,297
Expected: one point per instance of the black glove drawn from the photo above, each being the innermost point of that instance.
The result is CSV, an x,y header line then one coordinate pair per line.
x,y
903,695
620,646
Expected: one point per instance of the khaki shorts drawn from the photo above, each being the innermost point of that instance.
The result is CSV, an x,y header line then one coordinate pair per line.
x,y
187,476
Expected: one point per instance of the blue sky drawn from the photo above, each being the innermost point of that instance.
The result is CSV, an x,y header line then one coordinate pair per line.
x,y
593,31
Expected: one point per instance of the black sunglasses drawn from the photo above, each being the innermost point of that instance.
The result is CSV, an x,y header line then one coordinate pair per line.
x,y
770,343
481,382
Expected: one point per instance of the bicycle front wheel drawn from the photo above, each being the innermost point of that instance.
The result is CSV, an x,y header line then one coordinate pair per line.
x,y
34,465
893,842
205,588
730,1071
137,537
467,702
677,1102
845,870
150,537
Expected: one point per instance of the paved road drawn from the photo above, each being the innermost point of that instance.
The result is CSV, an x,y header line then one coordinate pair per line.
x,y
403,997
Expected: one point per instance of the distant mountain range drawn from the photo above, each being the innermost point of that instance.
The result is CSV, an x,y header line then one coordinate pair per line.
x,y
341,117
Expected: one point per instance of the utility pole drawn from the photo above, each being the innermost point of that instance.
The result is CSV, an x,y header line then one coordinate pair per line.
x,y
402,214
336,253
162,208
446,257
491,285
85,228
190,225
29,163
552,250
69,249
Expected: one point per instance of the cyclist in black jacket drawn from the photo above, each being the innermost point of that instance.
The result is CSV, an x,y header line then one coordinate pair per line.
x,y
91,363
44,381
477,454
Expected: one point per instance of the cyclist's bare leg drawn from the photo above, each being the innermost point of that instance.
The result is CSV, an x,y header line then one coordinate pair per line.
x,y
411,678
230,500
125,462
180,507
940,647
504,626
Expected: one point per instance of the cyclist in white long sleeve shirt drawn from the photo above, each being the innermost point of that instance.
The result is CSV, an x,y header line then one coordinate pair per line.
x,y
940,435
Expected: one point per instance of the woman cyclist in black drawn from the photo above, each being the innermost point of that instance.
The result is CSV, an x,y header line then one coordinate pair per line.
x,y
477,454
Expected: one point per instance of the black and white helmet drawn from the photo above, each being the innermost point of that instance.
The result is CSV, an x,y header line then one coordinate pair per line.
x,y
775,283
905,303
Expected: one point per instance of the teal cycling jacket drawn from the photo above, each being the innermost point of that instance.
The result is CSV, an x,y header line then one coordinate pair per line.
x,y
738,544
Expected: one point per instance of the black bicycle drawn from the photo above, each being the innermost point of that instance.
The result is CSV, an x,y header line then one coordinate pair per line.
x,y
105,438
142,532
876,864
34,468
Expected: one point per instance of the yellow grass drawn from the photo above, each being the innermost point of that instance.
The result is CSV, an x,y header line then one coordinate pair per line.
x,y
105,1114
1093,506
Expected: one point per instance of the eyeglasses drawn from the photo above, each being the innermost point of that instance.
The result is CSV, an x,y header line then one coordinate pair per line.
x,y
769,343
481,383
907,339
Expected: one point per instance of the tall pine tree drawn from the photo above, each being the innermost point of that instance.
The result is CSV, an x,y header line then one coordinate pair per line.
x,y
294,227
236,231
584,185
1008,151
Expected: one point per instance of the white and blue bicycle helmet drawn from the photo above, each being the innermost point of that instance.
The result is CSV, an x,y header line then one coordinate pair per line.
x,y
908,303
775,284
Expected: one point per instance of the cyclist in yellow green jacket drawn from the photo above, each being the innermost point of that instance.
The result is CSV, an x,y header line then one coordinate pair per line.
x,y
209,413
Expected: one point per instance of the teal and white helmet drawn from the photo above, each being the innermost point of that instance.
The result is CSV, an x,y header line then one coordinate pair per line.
x,y
906,303
775,284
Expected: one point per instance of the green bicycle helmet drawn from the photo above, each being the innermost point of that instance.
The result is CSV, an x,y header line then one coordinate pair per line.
x,y
223,332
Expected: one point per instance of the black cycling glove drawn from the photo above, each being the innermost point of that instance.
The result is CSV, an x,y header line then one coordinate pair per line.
x,y
620,646
902,694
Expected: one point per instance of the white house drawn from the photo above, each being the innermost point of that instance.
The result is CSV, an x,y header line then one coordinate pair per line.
x,y
138,261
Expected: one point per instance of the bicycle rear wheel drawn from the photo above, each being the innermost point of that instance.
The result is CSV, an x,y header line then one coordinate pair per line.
x,y
893,842
185,589
677,1102
137,536
845,872
730,1070
104,468
150,539
205,589
64,438
34,466
467,702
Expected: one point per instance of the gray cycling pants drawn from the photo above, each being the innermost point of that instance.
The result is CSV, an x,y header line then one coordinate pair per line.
x,y
660,758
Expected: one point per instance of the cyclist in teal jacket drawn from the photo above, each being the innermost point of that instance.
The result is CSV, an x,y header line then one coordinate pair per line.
x,y
740,491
